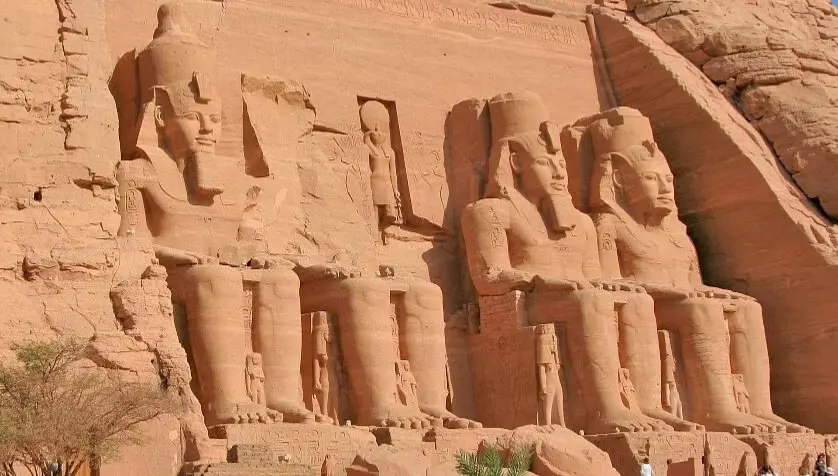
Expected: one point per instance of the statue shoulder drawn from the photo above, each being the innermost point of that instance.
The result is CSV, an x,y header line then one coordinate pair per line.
x,y
134,171
492,210
607,221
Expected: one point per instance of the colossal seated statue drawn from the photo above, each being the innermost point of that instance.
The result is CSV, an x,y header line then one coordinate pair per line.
x,y
641,239
192,203
525,234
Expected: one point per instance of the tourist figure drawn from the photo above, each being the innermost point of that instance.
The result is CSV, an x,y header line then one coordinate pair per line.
x,y
820,465
646,468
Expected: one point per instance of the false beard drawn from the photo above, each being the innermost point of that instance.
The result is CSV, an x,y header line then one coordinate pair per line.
x,y
559,212
202,175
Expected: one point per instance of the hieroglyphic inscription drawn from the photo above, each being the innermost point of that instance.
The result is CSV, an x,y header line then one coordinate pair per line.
x,y
433,11
307,445
247,316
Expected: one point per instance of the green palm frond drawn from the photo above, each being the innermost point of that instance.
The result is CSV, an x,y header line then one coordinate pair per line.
x,y
521,460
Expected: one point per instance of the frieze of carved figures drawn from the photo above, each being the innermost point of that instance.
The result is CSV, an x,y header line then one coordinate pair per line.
x,y
641,240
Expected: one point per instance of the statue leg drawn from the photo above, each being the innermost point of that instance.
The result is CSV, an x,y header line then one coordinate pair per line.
x,y
362,307
422,339
278,336
749,357
558,400
640,353
212,295
592,343
701,327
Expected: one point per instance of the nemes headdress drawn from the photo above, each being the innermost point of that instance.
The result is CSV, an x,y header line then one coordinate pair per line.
x,y
176,60
519,122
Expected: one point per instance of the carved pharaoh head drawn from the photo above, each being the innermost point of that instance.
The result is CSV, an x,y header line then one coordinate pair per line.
x,y
525,148
630,170
177,81
188,116
375,122
526,160
254,359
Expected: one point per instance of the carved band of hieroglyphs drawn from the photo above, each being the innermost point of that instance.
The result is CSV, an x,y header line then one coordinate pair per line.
x,y
430,10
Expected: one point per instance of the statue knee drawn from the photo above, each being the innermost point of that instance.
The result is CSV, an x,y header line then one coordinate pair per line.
x,y
213,278
280,283
368,289
424,294
595,301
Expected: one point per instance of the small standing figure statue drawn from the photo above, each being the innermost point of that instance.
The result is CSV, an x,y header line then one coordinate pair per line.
x,y
322,341
740,393
375,121
407,386
329,467
255,379
550,392
671,396
627,391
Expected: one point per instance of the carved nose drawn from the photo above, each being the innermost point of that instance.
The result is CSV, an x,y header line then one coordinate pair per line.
x,y
206,124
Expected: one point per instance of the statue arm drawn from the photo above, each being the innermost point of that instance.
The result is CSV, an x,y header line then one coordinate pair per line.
x,y
394,177
606,240
591,267
542,380
487,249
130,174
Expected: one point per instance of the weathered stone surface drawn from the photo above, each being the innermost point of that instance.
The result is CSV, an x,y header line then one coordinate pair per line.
x,y
350,152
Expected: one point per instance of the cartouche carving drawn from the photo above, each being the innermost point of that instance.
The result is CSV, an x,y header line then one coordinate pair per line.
x,y
550,390
633,203
525,234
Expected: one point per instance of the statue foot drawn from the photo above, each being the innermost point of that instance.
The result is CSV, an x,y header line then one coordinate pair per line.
x,y
320,418
625,420
409,418
294,413
743,424
252,413
677,423
450,420
790,427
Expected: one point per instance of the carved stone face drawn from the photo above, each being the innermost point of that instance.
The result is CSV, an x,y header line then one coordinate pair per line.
x,y
378,137
191,127
540,173
649,184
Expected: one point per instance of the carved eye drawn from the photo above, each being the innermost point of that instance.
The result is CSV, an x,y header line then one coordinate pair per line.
x,y
669,178
650,177
215,118
192,116
542,162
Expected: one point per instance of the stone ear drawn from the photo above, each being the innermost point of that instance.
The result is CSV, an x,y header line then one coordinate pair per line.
x,y
158,116
514,161
616,177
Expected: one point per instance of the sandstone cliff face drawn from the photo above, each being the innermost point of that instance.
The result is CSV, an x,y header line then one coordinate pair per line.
x,y
59,255
756,232
776,60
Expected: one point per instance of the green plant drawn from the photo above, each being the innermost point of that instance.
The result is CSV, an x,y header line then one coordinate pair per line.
x,y
57,408
489,462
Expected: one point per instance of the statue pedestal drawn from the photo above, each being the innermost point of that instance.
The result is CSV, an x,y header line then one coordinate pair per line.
x,y
786,452
679,453
307,444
